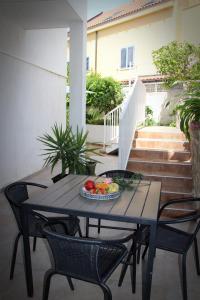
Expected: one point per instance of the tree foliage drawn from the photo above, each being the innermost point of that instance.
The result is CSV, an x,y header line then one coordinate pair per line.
x,y
178,61
103,95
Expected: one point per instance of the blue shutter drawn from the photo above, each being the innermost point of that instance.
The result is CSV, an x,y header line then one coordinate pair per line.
x,y
123,58
130,59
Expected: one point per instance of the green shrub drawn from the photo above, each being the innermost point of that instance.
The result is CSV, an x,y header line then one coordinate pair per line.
x,y
149,121
104,94
189,110
93,116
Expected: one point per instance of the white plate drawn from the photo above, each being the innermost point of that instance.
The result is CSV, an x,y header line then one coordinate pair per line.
x,y
102,197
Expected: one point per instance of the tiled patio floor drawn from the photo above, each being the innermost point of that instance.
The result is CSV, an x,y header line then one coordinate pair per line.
x,y
166,285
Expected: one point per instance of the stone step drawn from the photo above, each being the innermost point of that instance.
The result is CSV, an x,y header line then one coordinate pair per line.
x,y
160,167
162,144
172,183
158,154
112,148
157,134
168,195
163,154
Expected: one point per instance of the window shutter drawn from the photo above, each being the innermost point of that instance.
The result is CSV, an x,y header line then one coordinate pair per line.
x,y
130,61
123,58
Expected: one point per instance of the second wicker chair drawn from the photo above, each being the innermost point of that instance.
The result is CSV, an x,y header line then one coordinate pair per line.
x,y
89,260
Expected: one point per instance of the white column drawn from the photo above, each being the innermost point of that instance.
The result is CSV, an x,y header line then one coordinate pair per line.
x,y
77,75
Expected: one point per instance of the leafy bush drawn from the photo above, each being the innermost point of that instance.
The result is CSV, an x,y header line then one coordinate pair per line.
x,y
104,94
172,124
93,116
189,110
149,121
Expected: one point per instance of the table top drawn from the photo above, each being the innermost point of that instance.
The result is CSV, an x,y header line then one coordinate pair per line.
x,y
138,205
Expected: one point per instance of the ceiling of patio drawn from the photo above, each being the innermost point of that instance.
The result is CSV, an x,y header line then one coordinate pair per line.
x,y
39,14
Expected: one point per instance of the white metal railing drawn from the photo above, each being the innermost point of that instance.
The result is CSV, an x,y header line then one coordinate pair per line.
x,y
111,126
133,114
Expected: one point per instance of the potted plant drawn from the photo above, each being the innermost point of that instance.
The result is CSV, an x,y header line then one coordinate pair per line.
x,y
189,113
68,148
79,161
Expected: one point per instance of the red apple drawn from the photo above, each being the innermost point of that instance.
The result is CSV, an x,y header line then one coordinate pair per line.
x,y
89,185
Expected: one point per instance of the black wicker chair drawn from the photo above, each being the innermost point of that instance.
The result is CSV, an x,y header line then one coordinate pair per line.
x,y
16,193
111,174
176,240
130,259
85,259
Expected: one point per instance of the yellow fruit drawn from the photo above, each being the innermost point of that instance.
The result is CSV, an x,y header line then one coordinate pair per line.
x,y
113,187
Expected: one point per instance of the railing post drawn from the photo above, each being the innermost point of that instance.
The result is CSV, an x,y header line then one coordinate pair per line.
x,y
104,132
111,121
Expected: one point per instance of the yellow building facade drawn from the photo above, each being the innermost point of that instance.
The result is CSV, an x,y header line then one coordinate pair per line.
x,y
136,35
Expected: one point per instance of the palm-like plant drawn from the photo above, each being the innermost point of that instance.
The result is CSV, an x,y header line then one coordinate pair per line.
x,y
189,111
78,157
69,148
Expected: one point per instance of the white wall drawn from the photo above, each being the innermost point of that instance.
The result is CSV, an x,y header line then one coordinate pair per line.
x,y
95,133
163,105
32,95
156,102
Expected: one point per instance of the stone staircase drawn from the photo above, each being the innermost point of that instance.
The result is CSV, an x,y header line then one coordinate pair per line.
x,y
163,154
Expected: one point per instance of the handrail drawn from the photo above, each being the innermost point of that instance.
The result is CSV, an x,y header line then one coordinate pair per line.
x,y
111,126
133,114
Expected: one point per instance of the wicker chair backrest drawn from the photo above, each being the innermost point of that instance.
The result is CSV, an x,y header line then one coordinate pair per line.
x,y
120,173
84,259
190,211
17,193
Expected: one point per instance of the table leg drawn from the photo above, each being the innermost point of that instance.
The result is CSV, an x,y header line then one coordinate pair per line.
x,y
87,227
147,267
27,254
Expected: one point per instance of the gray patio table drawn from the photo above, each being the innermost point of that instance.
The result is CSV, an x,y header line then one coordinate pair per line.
x,y
138,206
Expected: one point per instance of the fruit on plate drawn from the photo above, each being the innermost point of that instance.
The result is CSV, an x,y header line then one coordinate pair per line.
x,y
113,188
89,185
100,187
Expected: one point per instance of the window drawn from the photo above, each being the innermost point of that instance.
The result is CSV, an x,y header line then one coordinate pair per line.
x,y
87,63
127,57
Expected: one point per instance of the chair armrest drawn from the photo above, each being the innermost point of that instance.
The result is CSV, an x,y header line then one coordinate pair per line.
x,y
39,216
194,214
33,184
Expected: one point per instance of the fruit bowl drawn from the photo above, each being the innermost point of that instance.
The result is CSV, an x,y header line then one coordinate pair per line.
x,y
100,190
109,196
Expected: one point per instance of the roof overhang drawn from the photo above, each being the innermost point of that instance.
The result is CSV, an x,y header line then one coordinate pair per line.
x,y
133,16
39,14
